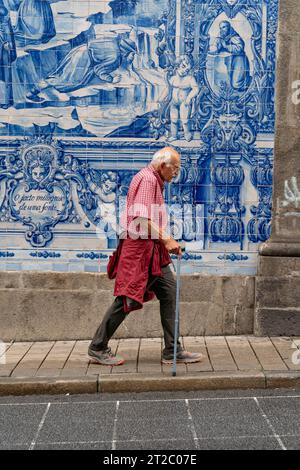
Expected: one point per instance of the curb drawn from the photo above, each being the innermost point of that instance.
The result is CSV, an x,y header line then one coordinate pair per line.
x,y
135,383
51,386
205,381
283,379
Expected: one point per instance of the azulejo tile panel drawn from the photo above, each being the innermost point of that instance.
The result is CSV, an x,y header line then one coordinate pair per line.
x,y
89,90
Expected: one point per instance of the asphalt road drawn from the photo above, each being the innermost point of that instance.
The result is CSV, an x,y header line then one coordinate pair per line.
x,y
251,419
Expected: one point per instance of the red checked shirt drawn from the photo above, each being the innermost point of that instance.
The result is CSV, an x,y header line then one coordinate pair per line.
x,y
144,199
139,256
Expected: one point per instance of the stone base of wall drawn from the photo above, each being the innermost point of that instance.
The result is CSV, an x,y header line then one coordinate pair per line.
x,y
38,306
277,309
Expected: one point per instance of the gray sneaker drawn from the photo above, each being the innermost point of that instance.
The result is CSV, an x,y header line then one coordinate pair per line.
x,y
105,358
183,357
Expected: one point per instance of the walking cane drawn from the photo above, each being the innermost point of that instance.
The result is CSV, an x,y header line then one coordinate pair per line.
x,y
177,311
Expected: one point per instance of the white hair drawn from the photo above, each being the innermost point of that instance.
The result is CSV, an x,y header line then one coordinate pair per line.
x,y
163,155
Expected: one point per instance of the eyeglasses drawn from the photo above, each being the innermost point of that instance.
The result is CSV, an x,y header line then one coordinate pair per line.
x,y
175,168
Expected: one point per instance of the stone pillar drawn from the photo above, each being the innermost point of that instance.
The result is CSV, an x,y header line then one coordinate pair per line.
x,y
277,310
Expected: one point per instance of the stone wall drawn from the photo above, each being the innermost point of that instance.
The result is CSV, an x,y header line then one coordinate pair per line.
x,y
89,94
62,306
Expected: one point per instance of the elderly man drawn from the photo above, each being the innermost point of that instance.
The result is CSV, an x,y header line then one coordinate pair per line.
x,y
141,262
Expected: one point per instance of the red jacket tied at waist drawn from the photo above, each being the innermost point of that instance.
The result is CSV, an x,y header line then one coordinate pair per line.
x,y
132,265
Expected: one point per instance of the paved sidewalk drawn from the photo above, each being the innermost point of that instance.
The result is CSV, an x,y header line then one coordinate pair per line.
x,y
230,362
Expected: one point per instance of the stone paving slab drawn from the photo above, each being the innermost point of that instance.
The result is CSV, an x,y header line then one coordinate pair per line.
x,y
288,350
219,354
229,362
242,353
267,354
77,363
150,356
56,359
13,356
128,348
33,359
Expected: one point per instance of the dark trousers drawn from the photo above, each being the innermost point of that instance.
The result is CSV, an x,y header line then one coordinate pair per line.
x,y
164,288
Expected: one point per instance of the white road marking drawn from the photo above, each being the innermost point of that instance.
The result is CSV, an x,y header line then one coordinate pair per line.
x,y
149,401
171,439
32,445
270,425
192,425
114,439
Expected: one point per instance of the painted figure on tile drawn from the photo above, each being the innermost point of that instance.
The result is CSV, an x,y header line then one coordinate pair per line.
x,y
38,171
35,22
165,42
99,58
106,199
183,90
232,45
7,56
37,167
12,5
